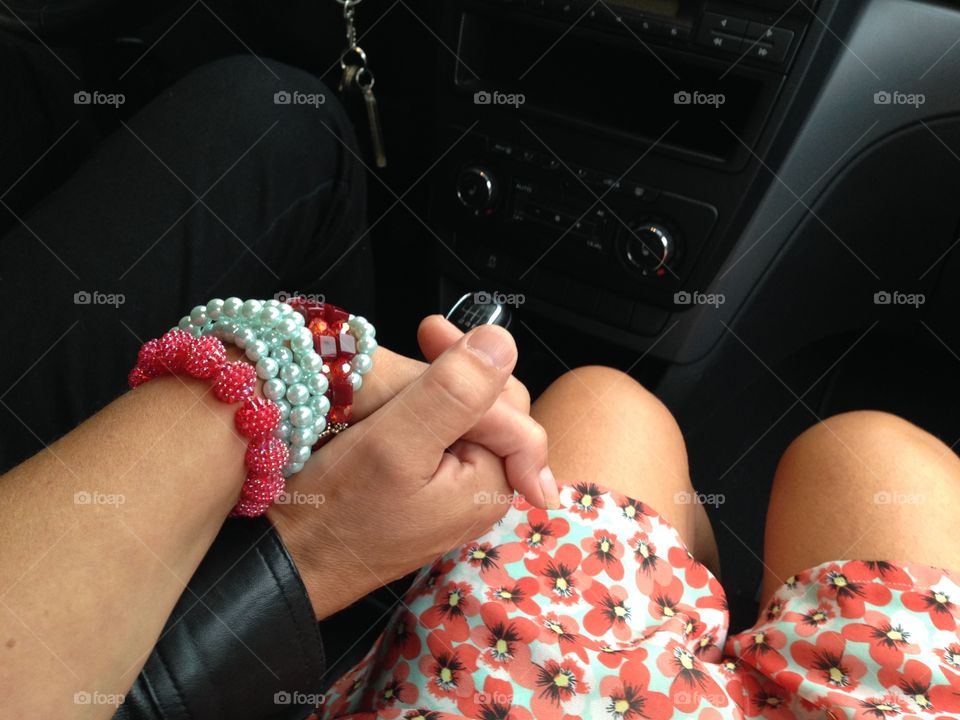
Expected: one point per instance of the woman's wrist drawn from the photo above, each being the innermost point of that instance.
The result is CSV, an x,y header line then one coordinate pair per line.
x,y
312,357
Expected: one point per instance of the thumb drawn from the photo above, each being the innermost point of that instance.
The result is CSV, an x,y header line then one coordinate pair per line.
x,y
449,398
435,335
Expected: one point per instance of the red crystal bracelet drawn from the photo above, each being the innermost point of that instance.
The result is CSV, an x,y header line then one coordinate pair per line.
x,y
331,341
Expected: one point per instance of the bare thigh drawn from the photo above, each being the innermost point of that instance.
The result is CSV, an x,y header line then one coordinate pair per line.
x,y
862,486
604,427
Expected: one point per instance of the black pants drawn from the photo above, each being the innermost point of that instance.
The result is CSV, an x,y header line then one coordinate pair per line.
x,y
211,190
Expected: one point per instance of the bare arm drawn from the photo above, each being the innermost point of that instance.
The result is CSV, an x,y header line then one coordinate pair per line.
x,y
101,533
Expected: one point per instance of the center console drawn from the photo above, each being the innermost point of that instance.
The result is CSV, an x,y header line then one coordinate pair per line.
x,y
597,155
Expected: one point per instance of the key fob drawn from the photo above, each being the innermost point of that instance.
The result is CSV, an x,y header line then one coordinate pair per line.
x,y
480,308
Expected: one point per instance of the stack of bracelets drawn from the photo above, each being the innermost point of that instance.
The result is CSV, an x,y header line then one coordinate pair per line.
x,y
312,357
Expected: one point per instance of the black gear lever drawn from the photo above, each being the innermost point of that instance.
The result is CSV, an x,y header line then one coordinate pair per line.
x,y
480,308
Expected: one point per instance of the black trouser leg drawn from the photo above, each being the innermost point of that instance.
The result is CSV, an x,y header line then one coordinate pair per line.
x,y
211,190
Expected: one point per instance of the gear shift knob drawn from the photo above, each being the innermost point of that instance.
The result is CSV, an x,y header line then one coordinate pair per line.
x,y
479,308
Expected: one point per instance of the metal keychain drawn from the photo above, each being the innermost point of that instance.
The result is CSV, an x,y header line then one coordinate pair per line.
x,y
356,75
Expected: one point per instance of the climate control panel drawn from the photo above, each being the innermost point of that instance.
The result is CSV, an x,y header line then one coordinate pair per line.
x,y
540,214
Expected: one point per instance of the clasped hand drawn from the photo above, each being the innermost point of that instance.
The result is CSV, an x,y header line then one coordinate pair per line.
x,y
431,461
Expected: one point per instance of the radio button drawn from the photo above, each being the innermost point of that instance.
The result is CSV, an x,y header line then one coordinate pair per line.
x,y
583,250
611,184
523,188
641,192
680,32
768,33
719,41
573,7
503,149
593,13
548,162
673,31
589,177
495,264
761,51
714,22
646,25
772,43
612,17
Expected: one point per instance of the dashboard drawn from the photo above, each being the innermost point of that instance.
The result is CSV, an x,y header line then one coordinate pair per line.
x,y
686,179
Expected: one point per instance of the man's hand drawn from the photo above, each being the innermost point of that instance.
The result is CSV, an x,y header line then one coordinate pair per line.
x,y
414,477
506,429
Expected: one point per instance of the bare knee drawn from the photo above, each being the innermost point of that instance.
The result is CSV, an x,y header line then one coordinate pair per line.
x,y
866,428
862,485
607,390
600,415
604,425
613,399
867,458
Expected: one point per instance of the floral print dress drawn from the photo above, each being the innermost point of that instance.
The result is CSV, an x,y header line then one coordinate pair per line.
x,y
597,610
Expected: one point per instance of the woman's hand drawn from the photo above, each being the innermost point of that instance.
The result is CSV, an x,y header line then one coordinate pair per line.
x,y
404,484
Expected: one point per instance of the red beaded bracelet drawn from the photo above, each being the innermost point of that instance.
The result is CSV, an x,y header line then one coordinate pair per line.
x,y
205,358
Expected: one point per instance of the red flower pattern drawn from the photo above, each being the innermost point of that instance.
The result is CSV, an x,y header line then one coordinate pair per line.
x,y
603,553
599,610
888,641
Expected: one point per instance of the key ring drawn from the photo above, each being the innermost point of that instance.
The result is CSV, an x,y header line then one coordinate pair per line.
x,y
356,50
364,72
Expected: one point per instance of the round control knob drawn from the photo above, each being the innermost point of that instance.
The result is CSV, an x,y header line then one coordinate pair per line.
x,y
476,188
649,246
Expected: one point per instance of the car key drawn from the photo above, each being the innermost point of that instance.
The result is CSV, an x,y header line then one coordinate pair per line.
x,y
364,80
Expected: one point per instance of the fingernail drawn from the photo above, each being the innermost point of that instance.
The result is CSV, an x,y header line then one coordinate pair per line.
x,y
551,492
494,345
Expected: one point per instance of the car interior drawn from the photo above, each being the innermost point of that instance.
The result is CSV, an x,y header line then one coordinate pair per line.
x,y
751,206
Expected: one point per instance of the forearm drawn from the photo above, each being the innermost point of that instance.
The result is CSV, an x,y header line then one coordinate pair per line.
x,y
103,531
